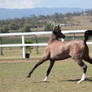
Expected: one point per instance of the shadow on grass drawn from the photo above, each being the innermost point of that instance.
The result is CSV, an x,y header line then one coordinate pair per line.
x,y
75,80
89,79
41,82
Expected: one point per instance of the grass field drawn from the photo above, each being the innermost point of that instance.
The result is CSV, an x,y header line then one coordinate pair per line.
x,y
63,78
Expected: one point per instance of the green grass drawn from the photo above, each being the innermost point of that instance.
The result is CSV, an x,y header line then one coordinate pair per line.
x,y
63,77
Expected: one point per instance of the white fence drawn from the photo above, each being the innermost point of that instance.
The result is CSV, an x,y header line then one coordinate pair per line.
x,y
23,45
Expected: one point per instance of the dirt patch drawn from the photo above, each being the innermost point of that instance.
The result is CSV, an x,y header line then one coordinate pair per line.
x,y
18,60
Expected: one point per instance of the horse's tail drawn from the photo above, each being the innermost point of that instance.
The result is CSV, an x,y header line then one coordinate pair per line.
x,y
87,34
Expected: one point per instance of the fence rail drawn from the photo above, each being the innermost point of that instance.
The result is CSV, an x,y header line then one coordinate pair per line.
x,y
23,45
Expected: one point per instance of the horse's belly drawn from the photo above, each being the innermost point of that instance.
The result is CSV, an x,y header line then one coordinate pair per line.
x,y
60,56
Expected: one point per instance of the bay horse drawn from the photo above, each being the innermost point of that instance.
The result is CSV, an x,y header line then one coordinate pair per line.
x,y
57,50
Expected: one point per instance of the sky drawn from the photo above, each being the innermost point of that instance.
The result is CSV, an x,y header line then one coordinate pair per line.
x,y
46,4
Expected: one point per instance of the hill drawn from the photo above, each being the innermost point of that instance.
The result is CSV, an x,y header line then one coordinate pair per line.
x,y
19,13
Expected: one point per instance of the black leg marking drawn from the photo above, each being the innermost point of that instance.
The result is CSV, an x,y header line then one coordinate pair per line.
x,y
82,64
34,69
84,68
88,59
50,67
39,63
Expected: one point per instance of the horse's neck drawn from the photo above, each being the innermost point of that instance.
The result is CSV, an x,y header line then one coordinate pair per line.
x,y
52,38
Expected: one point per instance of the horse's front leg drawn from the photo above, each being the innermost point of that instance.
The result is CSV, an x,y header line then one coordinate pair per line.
x,y
39,63
49,69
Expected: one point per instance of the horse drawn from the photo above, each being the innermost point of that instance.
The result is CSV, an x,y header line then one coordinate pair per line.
x,y
57,50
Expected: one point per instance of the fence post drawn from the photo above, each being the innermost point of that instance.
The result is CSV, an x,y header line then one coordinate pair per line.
x,y
23,50
1,49
73,36
36,47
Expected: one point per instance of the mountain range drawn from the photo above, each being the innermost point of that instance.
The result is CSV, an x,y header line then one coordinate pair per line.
x,y
19,13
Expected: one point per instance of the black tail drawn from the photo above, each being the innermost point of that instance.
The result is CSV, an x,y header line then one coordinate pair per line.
x,y
87,34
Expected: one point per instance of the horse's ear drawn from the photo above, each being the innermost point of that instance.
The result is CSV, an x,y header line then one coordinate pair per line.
x,y
54,29
58,27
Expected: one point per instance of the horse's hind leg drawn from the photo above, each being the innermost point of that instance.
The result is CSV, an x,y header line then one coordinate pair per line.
x,y
49,69
84,66
88,59
86,56
43,59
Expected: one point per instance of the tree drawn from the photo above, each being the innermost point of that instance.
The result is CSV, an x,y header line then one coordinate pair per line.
x,y
48,27
13,26
26,28
4,29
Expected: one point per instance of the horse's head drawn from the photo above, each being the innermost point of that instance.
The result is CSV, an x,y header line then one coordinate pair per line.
x,y
58,33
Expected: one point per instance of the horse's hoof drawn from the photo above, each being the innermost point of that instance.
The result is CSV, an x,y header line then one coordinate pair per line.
x,y
79,81
28,76
45,79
